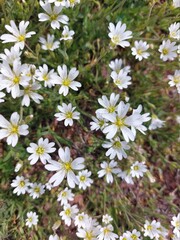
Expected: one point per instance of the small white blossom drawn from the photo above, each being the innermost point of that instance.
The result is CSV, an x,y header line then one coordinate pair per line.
x,y
72,3
40,151
49,43
68,214
116,66
174,30
81,219
176,224
32,219
168,50
156,123
20,184
67,114
18,36
152,229
121,79
65,195
53,15
106,219
58,3
107,170
54,237
67,34
135,235
139,50
175,80
13,129
98,123
138,169
106,233
176,3
65,168
118,34
36,190
66,80
84,179
126,176
11,55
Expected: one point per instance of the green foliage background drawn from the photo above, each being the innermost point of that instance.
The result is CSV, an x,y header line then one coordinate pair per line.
x,y
90,53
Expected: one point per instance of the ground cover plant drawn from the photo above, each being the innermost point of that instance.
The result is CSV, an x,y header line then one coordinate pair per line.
x,y
89,119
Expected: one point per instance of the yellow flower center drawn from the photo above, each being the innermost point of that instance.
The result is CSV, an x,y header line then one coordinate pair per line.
x,y
177,224
80,218
106,230
16,80
37,190
49,46
108,170
111,109
177,79
149,227
22,183
68,212
173,34
21,38
101,123
124,238
40,150
139,51
67,166
165,51
136,168
14,129
45,77
115,39
119,122
27,90
134,237
88,236
30,219
66,82
117,144
118,81
72,1
64,194
69,115
53,17
82,178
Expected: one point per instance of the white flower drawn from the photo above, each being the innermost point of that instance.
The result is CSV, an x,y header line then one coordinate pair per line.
x,y
90,231
69,213
138,169
52,15
116,148
175,80
40,151
139,50
118,34
49,43
81,219
125,236
36,190
121,79
67,113
98,123
58,2
29,93
20,184
12,129
163,233
49,78
84,179
176,224
107,170
67,34
156,123
64,168
119,121
65,195
48,186
18,167
174,30
106,233
12,78
109,106
72,3
66,80
32,219
135,235
168,50
126,176
54,237
106,219
176,3
1,96
116,66
11,55
18,36
152,229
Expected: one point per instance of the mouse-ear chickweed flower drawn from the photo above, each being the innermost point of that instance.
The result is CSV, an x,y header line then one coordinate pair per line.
x,y
156,123
84,179
20,184
67,34
175,80
36,190
168,50
174,30
13,129
32,219
65,195
68,214
139,50
65,168
18,36
121,79
40,151
119,35
48,43
138,169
